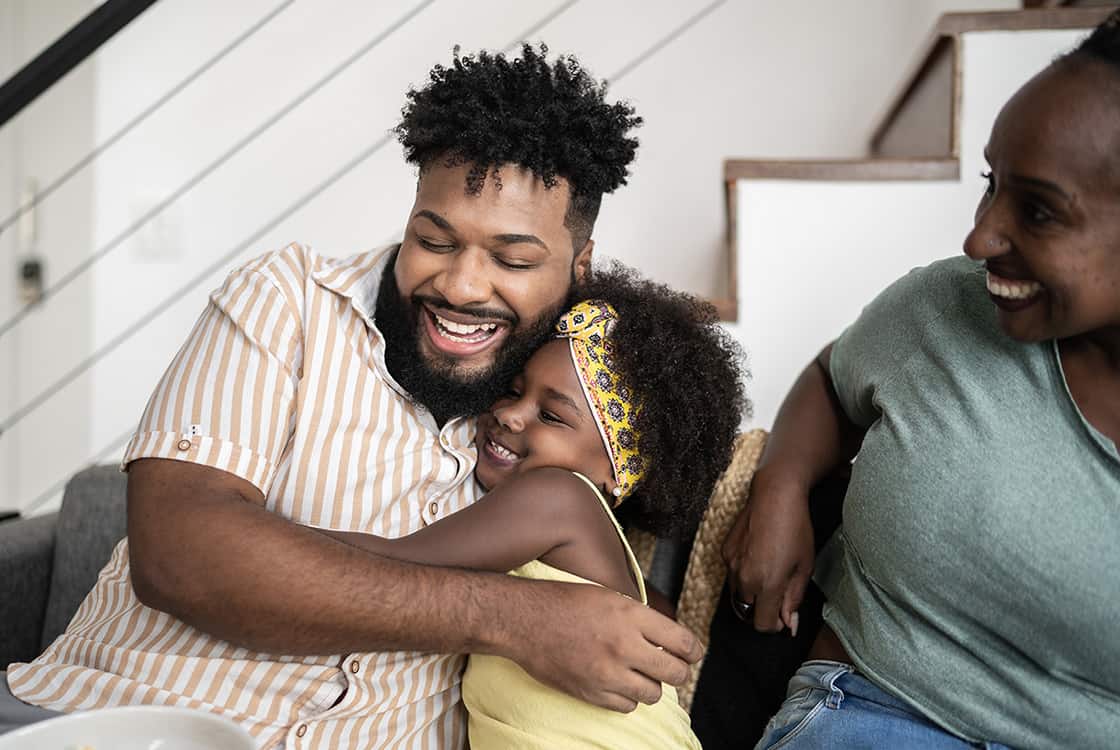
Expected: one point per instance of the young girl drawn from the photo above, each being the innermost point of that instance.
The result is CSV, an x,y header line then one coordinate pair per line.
x,y
628,415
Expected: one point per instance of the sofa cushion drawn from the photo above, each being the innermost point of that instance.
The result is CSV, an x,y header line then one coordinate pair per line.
x,y
25,574
90,523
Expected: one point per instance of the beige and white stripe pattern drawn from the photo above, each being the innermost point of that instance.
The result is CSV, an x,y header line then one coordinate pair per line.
x,y
282,382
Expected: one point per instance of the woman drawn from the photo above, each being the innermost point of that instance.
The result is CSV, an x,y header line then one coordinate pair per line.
x,y
972,589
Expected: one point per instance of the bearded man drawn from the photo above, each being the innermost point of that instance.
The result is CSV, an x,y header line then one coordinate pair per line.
x,y
338,394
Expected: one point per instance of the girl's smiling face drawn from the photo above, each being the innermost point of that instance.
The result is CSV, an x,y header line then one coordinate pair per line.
x,y
543,421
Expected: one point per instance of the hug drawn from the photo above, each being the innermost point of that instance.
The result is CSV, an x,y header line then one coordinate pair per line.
x,y
391,500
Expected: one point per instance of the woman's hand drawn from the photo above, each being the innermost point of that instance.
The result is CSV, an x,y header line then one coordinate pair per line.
x,y
769,552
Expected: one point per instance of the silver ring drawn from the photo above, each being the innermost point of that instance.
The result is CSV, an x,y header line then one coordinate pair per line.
x,y
742,609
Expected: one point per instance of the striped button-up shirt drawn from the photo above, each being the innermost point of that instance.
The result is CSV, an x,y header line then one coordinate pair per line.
x,y
282,382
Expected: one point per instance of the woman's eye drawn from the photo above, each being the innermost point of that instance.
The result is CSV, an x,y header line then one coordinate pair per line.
x,y
990,187
1036,213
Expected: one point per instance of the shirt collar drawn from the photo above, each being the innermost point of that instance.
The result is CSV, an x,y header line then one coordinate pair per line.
x,y
358,279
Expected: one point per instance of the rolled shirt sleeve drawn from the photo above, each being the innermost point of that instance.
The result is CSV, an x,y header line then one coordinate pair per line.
x,y
227,399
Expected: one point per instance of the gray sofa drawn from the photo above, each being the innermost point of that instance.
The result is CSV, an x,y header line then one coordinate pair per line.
x,y
49,563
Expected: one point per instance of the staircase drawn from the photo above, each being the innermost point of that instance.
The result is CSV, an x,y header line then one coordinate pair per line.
x,y
809,242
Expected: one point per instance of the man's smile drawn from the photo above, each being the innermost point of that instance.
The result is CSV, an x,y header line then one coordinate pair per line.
x,y
458,335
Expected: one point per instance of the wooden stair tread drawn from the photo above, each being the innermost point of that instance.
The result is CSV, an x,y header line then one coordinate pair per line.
x,y
934,76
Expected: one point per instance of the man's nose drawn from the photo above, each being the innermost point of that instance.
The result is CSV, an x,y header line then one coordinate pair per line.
x,y
464,279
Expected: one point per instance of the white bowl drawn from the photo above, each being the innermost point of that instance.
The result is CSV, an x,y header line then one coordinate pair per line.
x,y
131,728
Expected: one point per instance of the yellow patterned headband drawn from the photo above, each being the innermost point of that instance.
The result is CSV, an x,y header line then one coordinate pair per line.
x,y
612,403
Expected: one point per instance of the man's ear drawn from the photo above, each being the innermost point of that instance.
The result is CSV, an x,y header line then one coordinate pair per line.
x,y
582,263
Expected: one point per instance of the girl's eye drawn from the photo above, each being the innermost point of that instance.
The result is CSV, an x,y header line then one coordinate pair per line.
x,y
547,416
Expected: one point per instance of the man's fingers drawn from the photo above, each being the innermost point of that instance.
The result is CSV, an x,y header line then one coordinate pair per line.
x,y
671,640
613,702
642,689
661,666
626,691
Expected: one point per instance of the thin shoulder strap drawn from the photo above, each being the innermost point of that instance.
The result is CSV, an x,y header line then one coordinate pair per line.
x,y
634,567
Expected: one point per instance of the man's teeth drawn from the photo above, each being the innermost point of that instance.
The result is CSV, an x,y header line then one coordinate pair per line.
x,y
502,452
463,331
1009,289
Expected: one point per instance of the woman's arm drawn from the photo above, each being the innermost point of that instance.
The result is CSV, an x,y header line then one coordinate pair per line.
x,y
523,519
770,547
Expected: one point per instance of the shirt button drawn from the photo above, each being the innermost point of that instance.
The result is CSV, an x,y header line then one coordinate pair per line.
x,y
184,445
433,507
302,730
443,440
355,666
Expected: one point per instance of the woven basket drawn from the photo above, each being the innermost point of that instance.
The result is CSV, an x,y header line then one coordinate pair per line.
x,y
704,577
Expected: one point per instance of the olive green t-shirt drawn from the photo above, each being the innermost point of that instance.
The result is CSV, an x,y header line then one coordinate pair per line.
x,y
977,571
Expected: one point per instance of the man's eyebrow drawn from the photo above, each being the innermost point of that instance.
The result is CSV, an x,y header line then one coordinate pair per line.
x,y
566,399
516,239
1043,185
436,219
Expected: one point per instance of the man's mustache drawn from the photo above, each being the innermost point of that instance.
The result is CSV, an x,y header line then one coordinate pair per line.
x,y
482,313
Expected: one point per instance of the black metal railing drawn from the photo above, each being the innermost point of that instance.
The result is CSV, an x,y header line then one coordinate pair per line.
x,y
227,257
66,53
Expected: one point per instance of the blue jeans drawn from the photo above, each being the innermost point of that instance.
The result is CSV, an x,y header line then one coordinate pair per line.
x,y
830,705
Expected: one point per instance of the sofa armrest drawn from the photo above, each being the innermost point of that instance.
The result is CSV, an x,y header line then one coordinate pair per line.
x,y
26,558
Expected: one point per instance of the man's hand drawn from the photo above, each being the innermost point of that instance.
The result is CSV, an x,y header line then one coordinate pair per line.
x,y
769,553
600,646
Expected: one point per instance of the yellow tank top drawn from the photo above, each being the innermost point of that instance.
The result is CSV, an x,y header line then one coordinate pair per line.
x,y
509,709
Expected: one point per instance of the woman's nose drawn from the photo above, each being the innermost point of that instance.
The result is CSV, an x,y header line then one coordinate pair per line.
x,y
987,238
982,243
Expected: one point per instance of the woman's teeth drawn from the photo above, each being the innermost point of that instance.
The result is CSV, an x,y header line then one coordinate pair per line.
x,y
1010,289
502,452
464,332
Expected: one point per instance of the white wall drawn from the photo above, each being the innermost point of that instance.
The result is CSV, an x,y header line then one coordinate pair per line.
x,y
51,133
811,255
749,78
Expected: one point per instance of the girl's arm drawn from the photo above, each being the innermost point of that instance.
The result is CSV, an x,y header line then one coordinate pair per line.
x,y
523,519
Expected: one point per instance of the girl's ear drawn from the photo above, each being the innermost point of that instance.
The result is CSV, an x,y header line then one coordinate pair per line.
x,y
611,491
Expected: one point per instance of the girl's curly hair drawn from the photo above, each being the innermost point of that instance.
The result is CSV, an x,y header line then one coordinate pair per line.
x,y
686,370
485,110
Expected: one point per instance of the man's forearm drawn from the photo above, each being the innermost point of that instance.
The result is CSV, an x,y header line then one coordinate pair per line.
x,y
243,574
203,548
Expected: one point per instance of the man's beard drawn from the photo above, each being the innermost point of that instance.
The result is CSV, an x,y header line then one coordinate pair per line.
x,y
441,384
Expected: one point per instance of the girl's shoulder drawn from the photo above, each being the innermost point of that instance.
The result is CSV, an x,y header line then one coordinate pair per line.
x,y
597,550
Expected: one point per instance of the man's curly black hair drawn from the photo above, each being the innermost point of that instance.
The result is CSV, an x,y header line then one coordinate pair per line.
x,y
686,370
486,111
